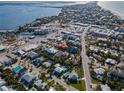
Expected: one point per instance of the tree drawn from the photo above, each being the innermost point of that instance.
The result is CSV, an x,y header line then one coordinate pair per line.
x,y
105,78
51,83
98,88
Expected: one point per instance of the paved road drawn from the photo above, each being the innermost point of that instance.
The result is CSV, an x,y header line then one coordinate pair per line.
x,y
85,61
68,87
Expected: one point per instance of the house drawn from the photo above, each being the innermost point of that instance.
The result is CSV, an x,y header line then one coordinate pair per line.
x,y
38,83
40,31
71,42
1,65
66,32
12,56
18,70
48,63
110,61
105,87
73,50
38,61
99,72
27,79
58,71
122,58
61,54
57,65
2,82
44,48
2,48
20,52
94,49
66,75
43,86
29,47
63,45
115,73
4,88
121,65
7,61
52,50
31,37
114,52
104,51
77,43
73,76
32,55
59,39
71,37
52,89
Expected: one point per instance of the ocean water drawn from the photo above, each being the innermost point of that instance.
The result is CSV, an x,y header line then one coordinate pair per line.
x,y
12,16
115,6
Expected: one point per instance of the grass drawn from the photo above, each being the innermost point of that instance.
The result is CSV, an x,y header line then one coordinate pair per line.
x,y
59,87
80,85
51,83
95,81
79,71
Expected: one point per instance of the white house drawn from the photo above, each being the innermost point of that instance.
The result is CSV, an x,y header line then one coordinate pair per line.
x,y
52,50
99,73
110,61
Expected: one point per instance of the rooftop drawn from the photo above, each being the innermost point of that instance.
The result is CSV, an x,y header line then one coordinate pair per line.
x,y
17,68
99,71
105,88
2,47
29,47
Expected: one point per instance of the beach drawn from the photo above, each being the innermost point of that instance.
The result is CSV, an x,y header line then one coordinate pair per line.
x,y
115,7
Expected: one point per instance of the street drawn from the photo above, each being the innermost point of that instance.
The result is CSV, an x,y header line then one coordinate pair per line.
x,y
85,61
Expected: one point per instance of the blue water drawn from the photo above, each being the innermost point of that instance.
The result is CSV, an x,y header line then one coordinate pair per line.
x,y
12,16
114,6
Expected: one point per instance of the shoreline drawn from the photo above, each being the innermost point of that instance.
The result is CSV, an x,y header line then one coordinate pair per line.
x,y
17,24
112,11
2,31
10,30
98,3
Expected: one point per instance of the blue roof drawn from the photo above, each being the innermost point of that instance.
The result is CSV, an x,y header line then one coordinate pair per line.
x,y
37,60
17,69
52,51
73,75
58,69
8,61
73,50
32,55
28,78
49,61
38,83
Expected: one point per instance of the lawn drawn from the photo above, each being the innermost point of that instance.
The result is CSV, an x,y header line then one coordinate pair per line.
x,y
79,71
95,81
59,87
80,85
